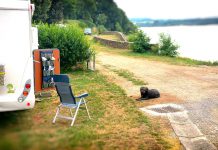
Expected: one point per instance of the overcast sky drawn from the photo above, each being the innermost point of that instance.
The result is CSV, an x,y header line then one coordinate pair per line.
x,y
169,9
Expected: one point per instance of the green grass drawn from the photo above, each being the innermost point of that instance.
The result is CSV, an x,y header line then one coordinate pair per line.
x,y
110,37
171,60
116,122
127,75
152,57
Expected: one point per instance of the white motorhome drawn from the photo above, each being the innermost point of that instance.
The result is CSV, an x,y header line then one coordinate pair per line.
x,y
16,60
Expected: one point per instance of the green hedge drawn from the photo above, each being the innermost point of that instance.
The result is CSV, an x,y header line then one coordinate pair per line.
x,y
70,40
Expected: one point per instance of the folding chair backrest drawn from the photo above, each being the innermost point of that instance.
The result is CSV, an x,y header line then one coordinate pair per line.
x,y
61,78
65,93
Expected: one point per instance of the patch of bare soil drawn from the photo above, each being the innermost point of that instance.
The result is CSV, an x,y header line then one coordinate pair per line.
x,y
186,83
164,98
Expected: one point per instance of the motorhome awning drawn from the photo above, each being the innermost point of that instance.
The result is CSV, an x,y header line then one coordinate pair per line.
x,y
17,9
15,5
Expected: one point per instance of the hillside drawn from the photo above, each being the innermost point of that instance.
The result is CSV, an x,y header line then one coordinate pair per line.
x,y
93,12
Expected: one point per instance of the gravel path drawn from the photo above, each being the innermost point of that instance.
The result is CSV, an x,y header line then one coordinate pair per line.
x,y
196,86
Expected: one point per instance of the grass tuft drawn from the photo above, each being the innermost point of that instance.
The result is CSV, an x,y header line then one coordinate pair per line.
x,y
127,75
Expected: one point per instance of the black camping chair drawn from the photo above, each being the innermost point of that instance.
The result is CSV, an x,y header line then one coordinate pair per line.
x,y
68,100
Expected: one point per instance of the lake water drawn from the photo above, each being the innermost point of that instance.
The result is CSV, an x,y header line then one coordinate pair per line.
x,y
196,42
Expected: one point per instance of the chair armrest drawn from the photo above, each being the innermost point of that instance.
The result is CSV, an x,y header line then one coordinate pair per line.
x,y
82,95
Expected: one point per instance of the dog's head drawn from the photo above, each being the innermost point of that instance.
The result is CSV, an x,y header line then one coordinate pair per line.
x,y
143,90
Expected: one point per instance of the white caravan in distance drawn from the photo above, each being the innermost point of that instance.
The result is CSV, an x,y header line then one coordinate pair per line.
x,y
16,59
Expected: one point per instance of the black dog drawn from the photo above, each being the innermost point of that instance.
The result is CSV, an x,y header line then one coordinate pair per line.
x,y
147,94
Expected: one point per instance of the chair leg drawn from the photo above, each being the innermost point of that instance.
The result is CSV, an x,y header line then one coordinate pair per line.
x,y
74,118
86,108
57,112
71,112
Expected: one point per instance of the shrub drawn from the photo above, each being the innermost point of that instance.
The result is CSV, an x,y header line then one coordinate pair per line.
x,y
94,30
166,46
82,24
79,23
131,37
101,29
88,23
141,42
155,48
70,40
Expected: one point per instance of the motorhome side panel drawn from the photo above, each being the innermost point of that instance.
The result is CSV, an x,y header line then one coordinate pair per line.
x,y
16,55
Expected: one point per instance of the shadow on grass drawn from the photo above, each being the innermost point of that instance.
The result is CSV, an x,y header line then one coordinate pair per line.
x,y
8,118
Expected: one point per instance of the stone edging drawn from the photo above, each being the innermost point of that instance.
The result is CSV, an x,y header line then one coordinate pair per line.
x,y
113,43
188,133
119,34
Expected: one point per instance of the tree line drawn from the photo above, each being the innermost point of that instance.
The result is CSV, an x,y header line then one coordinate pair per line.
x,y
99,13
174,22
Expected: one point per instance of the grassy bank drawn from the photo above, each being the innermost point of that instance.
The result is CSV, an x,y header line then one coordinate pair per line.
x,y
110,37
152,57
171,60
116,122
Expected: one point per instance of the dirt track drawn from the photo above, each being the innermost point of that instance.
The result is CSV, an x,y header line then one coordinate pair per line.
x,y
197,87
187,83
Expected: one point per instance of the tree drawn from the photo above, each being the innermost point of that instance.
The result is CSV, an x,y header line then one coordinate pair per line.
x,y
41,10
69,9
85,9
101,19
99,12
56,12
118,27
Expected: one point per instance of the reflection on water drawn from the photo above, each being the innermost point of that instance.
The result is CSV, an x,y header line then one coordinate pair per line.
x,y
196,42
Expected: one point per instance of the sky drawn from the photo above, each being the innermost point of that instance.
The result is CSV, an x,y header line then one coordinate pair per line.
x,y
169,9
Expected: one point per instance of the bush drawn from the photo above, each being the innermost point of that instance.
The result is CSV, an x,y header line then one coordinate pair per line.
x,y
70,40
78,23
94,30
141,42
166,46
131,37
101,29
155,48
89,24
